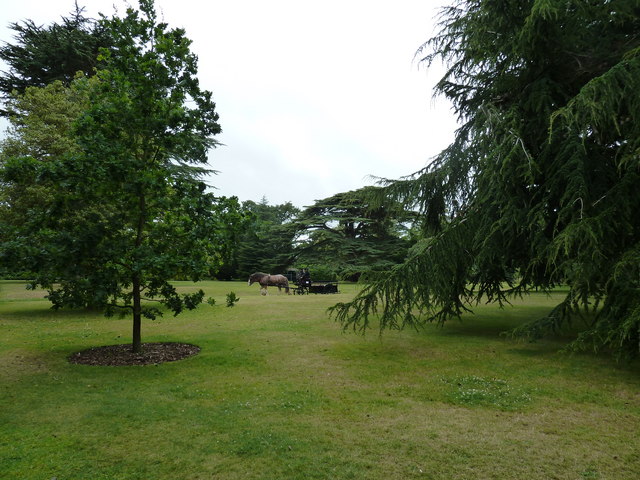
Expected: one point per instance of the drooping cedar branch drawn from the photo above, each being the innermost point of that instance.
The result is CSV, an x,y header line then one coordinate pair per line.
x,y
539,187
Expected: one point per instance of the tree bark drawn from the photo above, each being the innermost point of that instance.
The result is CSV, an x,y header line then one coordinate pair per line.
x,y
136,346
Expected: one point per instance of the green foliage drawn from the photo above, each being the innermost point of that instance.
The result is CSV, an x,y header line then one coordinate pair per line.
x,y
351,233
40,136
42,55
266,243
123,209
539,186
321,272
228,239
343,235
42,120
232,299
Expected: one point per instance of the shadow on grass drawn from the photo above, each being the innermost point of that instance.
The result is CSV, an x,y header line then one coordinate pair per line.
x,y
536,350
473,329
49,314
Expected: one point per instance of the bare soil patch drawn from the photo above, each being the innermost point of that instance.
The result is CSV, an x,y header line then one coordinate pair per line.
x,y
121,355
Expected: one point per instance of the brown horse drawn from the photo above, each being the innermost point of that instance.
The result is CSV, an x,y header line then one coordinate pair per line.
x,y
266,280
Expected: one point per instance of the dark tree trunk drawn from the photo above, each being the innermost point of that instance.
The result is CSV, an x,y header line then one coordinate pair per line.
x,y
136,345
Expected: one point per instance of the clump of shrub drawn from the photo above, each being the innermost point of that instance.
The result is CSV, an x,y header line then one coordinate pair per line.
x,y
232,299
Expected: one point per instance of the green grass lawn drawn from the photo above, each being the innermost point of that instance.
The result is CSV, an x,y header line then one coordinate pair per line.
x,y
280,392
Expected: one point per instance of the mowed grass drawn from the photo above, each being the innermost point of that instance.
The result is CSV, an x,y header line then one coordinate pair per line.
x,y
280,392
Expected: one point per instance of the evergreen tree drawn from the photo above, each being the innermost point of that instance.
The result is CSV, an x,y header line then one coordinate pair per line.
x,y
267,243
42,55
539,187
351,233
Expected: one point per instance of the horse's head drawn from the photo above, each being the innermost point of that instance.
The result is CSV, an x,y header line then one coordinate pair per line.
x,y
255,277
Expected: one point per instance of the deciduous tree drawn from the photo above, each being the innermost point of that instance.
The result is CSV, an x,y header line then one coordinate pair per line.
x,y
267,242
127,209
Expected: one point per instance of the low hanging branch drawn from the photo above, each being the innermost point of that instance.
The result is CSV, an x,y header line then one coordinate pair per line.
x,y
544,170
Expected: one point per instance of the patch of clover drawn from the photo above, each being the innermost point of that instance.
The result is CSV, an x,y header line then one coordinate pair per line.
x,y
471,390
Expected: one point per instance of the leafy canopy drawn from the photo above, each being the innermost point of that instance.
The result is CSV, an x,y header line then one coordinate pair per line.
x,y
539,187
266,243
124,209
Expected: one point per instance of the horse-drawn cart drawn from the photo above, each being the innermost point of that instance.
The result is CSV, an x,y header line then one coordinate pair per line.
x,y
304,284
301,279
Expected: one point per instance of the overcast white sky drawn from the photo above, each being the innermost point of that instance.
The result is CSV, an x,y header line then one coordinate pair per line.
x,y
313,97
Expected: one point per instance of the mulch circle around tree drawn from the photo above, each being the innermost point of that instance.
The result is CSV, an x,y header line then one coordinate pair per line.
x,y
121,355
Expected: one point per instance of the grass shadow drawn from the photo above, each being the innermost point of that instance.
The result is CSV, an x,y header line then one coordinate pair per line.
x,y
42,314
